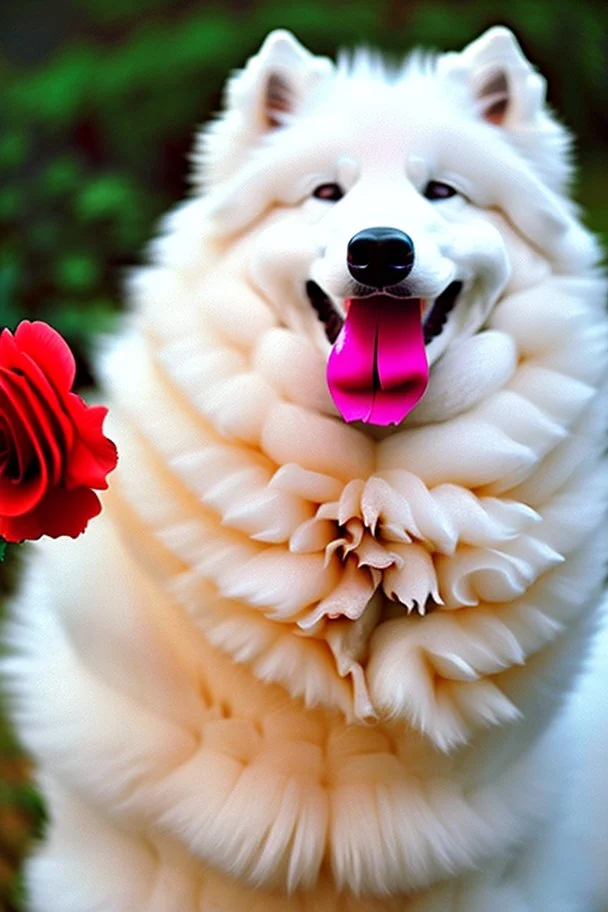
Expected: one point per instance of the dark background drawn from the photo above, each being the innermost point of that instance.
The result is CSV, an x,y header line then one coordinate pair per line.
x,y
98,103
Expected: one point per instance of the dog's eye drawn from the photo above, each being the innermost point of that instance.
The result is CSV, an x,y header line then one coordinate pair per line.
x,y
436,190
330,192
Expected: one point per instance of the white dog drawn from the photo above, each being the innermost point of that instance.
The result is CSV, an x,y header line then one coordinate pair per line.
x,y
315,654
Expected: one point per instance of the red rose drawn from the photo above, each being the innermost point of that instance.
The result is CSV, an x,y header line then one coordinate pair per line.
x,y
52,448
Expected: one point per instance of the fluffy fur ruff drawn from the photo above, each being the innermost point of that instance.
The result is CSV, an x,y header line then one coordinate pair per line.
x,y
304,665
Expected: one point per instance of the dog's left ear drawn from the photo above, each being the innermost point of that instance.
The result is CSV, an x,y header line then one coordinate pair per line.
x,y
498,85
273,87
493,75
506,89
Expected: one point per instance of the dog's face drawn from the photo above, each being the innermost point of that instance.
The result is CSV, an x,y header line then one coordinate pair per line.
x,y
379,207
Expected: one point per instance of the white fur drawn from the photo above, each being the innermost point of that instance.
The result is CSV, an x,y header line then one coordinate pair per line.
x,y
197,675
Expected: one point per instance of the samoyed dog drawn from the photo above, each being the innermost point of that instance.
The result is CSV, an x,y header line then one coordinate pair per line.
x,y
320,651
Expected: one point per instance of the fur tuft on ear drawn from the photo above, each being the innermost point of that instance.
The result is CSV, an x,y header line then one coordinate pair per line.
x,y
494,97
278,100
272,88
506,91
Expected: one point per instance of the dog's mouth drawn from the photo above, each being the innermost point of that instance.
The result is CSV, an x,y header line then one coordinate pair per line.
x,y
377,370
432,325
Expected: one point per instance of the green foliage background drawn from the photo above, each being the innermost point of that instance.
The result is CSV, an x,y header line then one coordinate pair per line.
x,y
99,99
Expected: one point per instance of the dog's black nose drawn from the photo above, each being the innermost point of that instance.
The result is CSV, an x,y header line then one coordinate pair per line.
x,y
380,256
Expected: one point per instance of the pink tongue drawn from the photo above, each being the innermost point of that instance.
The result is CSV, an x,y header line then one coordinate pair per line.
x,y
377,369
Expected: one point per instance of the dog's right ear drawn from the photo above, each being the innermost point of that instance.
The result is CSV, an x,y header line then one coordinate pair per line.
x,y
272,88
288,72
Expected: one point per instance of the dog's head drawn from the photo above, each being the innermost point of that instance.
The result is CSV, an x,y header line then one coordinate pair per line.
x,y
384,208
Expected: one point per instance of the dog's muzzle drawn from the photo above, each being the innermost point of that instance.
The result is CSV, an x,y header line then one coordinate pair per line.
x,y
380,257
377,369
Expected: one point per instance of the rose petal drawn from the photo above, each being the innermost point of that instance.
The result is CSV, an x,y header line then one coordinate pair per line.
x,y
55,404
50,352
93,455
26,363
38,418
20,528
7,348
19,495
60,512
17,449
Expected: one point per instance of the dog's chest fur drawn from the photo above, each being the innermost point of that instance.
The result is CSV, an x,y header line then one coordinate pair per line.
x,y
501,505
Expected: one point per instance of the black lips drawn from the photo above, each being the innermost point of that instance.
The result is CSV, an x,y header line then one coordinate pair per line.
x,y
333,322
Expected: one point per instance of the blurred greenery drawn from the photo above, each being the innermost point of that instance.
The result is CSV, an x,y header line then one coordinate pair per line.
x,y
99,102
